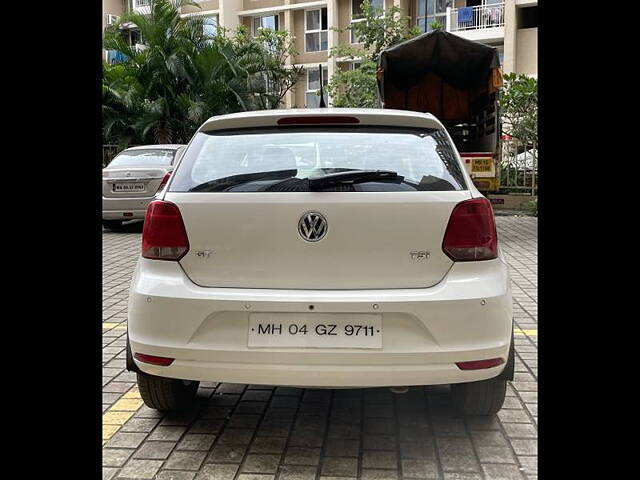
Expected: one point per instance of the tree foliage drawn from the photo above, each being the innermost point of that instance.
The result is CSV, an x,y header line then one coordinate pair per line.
x,y
519,107
181,75
378,30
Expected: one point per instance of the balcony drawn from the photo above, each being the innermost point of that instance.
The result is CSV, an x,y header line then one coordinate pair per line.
x,y
482,23
142,6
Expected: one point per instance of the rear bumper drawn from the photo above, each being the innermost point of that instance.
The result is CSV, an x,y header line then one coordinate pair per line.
x,y
115,208
425,331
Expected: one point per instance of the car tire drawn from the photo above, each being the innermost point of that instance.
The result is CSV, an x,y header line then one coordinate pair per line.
x,y
479,398
166,394
111,224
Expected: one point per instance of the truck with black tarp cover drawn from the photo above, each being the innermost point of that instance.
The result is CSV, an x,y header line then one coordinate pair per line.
x,y
457,80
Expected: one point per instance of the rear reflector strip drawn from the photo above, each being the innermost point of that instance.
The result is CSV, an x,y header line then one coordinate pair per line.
x,y
152,359
480,364
309,120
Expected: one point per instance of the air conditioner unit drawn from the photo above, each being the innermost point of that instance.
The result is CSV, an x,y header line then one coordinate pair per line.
x,y
111,19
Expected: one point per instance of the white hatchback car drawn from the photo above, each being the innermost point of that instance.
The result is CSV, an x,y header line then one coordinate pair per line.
x,y
321,248
132,179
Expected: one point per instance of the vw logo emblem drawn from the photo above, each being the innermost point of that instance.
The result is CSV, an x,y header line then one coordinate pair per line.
x,y
312,226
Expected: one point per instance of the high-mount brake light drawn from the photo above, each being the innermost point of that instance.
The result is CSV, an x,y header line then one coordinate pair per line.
x,y
316,120
471,233
164,236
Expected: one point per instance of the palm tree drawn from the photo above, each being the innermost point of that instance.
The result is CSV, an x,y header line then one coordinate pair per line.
x,y
182,76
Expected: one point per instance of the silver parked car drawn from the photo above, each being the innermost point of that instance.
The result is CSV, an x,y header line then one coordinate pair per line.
x,y
132,180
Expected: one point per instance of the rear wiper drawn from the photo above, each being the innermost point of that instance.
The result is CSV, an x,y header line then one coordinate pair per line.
x,y
221,184
354,176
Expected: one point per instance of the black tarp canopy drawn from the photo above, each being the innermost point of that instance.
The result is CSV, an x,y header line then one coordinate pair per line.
x,y
439,72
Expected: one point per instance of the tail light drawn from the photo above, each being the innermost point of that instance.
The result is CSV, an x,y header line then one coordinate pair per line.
x,y
164,181
471,233
163,235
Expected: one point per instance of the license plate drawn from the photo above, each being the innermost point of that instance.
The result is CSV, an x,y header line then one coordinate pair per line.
x,y
128,187
481,164
315,330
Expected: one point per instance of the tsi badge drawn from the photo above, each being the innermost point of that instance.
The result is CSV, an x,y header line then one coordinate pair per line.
x,y
419,256
204,253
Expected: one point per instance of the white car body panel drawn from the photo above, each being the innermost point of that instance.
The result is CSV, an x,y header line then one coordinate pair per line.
x,y
425,330
433,314
368,244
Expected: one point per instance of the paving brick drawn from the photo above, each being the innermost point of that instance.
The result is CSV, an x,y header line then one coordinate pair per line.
x,y
255,463
175,475
379,459
268,445
182,460
140,425
502,472
290,472
520,430
418,468
343,447
302,456
227,454
341,467
115,457
212,471
143,469
126,440
493,454
525,447
155,450
171,434
196,442
373,474
235,436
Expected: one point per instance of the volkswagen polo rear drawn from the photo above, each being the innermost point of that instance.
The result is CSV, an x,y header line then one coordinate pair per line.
x,y
321,248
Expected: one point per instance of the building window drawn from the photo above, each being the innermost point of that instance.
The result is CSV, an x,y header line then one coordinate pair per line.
x,y
313,85
210,25
142,3
268,21
429,11
528,17
357,15
315,30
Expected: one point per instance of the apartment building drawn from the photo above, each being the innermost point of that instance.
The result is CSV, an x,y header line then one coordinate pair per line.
x,y
509,25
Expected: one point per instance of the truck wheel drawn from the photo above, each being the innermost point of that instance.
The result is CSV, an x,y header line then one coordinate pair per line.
x,y
111,224
166,394
479,398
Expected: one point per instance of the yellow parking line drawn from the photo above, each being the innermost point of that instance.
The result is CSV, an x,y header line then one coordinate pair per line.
x,y
532,332
119,326
119,413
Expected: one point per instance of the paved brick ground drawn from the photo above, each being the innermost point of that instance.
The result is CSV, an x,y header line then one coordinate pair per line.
x,y
248,432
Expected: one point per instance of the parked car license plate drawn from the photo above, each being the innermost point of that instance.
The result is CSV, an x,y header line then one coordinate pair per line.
x,y
481,164
128,187
315,330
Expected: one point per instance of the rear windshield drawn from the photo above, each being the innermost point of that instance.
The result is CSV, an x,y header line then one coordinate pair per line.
x,y
134,158
286,159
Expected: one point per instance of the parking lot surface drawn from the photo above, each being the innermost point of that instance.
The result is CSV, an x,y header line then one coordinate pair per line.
x,y
253,432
